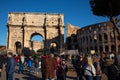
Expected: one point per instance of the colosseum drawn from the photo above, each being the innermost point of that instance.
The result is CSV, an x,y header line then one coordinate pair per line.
x,y
98,37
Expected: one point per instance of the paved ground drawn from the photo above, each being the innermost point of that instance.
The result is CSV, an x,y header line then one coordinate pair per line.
x,y
71,75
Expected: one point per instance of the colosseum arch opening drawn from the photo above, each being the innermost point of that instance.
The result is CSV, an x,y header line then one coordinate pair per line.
x,y
22,26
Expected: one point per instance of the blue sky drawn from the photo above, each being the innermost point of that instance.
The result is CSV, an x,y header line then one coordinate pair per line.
x,y
76,12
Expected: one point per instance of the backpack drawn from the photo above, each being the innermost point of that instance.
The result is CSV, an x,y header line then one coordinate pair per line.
x,y
115,70
30,63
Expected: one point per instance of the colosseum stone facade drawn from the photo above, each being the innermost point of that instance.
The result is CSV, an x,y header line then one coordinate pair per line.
x,y
98,37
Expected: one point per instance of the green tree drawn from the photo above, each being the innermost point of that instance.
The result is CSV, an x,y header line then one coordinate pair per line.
x,y
107,8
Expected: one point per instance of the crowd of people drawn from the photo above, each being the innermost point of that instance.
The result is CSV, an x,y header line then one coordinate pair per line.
x,y
54,67
93,67
47,64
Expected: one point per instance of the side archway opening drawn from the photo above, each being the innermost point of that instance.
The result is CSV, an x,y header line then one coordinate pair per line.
x,y
18,47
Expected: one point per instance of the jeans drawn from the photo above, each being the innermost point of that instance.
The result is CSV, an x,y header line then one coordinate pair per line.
x,y
63,77
29,69
36,70
21,67
9,76
89,77
97,77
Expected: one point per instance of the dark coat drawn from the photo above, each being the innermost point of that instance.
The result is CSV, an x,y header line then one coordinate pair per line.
x,y
2,61
79,67
63,70
10,67
36,62
114,72
50,66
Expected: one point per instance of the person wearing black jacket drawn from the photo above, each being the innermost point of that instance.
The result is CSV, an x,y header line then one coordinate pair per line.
x,y
114,70
2,61
63,70
80,67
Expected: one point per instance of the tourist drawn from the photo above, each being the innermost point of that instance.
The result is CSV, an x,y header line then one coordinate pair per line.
x,y
80,67
1,63
63,70
44,56
30,64
36,65
89,70
50,67
103,63
58,63
97,68
10,66
114,70
16,57
21,63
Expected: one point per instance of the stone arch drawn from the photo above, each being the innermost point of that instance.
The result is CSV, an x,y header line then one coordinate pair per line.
x,y
105,37
100,37
106,48
24,25
18,47
36,33
100,48
31,32
112,48
35,45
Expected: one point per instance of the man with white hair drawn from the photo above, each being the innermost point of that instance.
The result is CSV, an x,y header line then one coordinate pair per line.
x,y
10,66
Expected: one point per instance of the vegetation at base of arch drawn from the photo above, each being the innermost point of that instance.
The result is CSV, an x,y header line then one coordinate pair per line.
x,y
32,52
38,53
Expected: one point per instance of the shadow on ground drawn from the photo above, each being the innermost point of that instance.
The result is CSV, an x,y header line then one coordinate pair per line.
x,y
28,75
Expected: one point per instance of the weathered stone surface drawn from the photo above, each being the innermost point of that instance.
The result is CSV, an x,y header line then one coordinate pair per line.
x,y
23,26
71,30
98,37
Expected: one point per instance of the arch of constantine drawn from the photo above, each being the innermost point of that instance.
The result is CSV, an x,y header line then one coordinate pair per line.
x,y
22,26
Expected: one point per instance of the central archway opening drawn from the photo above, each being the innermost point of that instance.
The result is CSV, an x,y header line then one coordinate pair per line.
x,y
37,42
